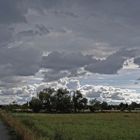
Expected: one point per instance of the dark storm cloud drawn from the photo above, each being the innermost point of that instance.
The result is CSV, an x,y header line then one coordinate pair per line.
x,y
137,61
111,64
49,4
10,12
108,22
72,61
114,22
5,70
53,75
82,29
64,65
84,26
5,35
19,61
66,61
38,30
106,67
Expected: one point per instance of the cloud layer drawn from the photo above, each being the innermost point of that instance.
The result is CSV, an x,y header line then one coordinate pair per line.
x,y
110,94
48,40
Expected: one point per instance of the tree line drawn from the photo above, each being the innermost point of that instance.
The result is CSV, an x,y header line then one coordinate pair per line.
x,y
64,101
60,100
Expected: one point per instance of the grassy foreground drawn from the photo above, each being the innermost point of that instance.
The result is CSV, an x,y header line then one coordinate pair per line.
x,y
98,126
21,132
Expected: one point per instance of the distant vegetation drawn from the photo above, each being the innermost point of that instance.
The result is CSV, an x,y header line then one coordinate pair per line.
x,y
63,101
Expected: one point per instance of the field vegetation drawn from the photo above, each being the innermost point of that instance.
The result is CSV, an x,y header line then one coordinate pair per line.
x,y
97,126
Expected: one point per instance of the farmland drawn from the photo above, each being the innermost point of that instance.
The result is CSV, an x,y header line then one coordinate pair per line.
x,y
92,126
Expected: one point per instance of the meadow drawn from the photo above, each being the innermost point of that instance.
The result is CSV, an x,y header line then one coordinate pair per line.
x,y
92,126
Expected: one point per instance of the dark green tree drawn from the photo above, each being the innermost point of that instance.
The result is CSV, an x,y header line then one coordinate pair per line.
x,y
62,101
45,97
134,105
123,106
35,104
84,102
94,105
79,102
104,106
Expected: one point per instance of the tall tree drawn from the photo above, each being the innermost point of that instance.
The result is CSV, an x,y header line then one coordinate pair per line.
x,y
35,104
77,100
104,105
94,105
63,100
45,97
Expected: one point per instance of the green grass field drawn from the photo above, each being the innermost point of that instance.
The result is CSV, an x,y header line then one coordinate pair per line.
x,y
98,126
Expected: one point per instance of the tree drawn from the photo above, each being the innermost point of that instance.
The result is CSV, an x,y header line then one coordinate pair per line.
x,y
104,106
84,102
62,101
25,106
35,104
134,105
94,105
123,106
79,102
45,98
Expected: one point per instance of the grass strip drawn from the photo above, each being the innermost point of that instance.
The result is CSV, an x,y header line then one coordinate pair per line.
x,y
24,132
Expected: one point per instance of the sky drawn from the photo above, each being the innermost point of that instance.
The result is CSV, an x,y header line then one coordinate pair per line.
x,y
89,45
